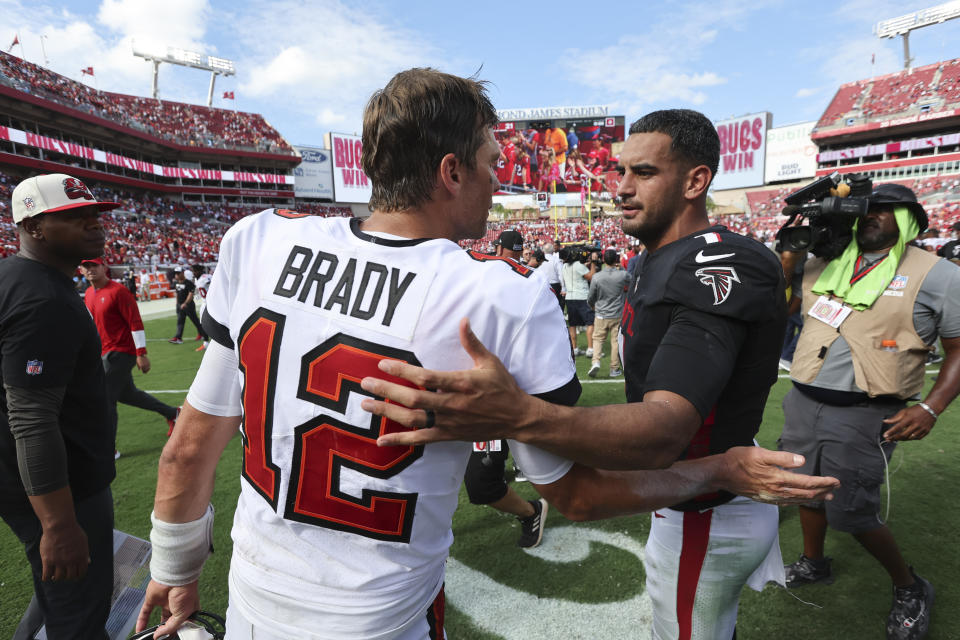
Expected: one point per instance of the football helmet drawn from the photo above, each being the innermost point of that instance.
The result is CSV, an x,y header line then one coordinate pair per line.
x,y
201,625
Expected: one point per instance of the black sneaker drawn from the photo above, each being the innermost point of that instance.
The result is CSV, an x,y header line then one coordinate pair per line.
x,y
532,527
909,617
807,571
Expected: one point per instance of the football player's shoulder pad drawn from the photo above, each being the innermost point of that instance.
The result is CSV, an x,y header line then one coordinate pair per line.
x,y
732,276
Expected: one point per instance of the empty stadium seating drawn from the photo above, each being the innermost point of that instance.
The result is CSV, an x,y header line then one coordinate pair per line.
x,y
936,86
897,92
846,98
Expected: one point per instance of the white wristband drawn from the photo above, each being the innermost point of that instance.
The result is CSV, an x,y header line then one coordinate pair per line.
x,y
180,549
926,407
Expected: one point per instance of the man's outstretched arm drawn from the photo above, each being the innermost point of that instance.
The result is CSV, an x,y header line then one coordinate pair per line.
x,y
184,487
485,403
757,473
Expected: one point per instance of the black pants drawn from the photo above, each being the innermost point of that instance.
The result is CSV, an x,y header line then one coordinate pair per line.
x,y
120,388
71,609
484,477
189,312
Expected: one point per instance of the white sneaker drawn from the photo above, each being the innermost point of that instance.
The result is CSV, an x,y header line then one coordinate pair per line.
x,y
590,352
615,373
578,352
594,369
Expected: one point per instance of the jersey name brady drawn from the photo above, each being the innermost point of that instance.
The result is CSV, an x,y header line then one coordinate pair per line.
x,y
358,291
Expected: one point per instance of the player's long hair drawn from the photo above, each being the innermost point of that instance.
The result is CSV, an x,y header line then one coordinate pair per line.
x,y
411,124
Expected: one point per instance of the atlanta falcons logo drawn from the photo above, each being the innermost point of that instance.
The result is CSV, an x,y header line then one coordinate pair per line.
x,y
720,279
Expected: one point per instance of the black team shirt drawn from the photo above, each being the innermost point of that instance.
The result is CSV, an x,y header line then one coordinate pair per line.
x,y
183,290
705,319
48,339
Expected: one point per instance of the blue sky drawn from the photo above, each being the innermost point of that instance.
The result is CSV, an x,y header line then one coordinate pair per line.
x,y
310,65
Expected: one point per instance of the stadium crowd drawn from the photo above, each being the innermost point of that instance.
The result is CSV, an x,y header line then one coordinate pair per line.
x,y
178,122
552,160
149,229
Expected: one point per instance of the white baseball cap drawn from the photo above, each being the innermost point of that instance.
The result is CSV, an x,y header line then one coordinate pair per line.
x,y
50,193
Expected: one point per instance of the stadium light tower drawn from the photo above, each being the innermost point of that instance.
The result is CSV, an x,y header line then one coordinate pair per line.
x,y
216,66
903,25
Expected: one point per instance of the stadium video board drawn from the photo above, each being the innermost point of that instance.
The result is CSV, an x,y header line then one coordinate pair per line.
x,y
350,183
743,144
589,123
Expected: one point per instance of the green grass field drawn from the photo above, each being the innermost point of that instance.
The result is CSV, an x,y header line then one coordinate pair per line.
x,y
586,580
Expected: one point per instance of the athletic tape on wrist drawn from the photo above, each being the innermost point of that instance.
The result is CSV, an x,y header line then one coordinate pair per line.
x,y
180,549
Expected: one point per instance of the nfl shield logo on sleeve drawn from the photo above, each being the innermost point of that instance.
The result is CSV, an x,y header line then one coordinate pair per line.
x,y
34,367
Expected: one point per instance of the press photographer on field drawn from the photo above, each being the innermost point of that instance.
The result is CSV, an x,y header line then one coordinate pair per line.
x,y
873,309
608,291
579,265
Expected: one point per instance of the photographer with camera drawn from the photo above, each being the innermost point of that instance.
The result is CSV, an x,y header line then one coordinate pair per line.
x,y
875,310
576,280
608,291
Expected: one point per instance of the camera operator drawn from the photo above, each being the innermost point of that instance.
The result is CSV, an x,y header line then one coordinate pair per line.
x,y
576,280
875,312
608,290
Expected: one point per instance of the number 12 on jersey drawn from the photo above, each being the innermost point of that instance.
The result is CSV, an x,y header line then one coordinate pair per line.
x,y
324,445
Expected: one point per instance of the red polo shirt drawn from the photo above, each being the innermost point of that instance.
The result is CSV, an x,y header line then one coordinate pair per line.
x,y
117,317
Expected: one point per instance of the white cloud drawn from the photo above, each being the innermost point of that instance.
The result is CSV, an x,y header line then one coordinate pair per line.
x,y
324,58
662,63
179,23
105,41
807,92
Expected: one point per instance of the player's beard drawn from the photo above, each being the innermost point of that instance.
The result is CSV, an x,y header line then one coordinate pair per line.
x,y
652,220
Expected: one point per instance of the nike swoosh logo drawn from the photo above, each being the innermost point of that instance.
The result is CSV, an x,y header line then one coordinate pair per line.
x,y
700,258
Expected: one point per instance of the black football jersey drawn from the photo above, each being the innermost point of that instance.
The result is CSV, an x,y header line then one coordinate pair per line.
x,y
705,319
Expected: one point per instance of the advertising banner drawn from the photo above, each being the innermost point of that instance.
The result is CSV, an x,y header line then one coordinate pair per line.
x,y
791,154
313,177
117,160
350,183
742,151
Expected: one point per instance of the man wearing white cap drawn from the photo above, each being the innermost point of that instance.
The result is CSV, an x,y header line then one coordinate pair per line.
x,y
56,441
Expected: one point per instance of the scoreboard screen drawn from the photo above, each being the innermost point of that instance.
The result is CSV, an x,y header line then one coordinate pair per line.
x,y
606,129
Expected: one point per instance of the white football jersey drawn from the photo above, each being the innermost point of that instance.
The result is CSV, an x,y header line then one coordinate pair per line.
x,y
203,285
334,535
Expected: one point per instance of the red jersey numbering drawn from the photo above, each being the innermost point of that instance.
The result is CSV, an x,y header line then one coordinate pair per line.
x,y
289,213
324,445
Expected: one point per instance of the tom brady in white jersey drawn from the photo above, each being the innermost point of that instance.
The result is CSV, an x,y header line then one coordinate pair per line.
x,y
336,537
